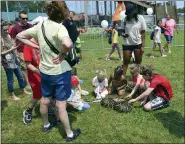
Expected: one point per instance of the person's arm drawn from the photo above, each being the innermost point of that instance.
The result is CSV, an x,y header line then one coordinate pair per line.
x,y
143,40
110,79
143,29
143,95
175,26
25,37
8,51
32,68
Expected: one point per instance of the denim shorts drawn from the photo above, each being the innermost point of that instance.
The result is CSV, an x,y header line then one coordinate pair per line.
x,y
58,86
168,37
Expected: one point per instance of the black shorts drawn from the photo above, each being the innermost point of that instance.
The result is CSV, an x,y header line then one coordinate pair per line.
x,y
131,47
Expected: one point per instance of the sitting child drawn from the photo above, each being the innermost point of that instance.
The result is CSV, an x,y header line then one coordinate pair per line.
x,y
100,82
138,80
74,73
116,81
75,98
161,87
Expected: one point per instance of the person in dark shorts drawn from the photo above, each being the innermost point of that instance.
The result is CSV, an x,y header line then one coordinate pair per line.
x,y
161,88
134,27
55,71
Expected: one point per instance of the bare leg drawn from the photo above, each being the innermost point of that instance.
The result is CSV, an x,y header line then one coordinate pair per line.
x,y
63,115
44,109
126,60
154,46
138,56
160,48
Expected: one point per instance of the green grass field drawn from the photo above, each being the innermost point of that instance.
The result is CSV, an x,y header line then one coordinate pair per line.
x,y
99,124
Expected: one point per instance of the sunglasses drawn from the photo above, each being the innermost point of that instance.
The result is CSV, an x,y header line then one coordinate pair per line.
x,y
24,18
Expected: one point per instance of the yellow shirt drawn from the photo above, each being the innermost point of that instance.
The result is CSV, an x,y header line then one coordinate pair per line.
x,y
55,33
115,36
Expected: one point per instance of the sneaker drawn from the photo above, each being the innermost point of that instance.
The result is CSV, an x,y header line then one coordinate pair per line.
x,y
163,49
169,51
26,92
84,92
152,56
15,98
164,55
76,133
107,59
47,129
27,117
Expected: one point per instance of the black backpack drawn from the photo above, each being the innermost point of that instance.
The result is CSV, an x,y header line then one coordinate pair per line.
x,y
71,57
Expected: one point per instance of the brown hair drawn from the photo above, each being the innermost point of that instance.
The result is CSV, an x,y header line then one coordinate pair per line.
x,y
147,70
135,68
56,10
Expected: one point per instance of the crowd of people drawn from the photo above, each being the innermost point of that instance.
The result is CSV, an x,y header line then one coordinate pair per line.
x,y
26,53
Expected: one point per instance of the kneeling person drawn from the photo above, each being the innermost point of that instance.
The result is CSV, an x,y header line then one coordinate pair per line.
x,y
161,87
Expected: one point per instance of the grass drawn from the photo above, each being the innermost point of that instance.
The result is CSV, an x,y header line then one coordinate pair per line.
x,y
99,124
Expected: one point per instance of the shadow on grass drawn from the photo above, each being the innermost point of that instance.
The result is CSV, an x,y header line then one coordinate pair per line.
x,y
173,121
3,104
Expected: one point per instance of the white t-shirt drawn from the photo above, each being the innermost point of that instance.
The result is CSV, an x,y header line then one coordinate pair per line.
x,y
101,85
55,33
133,29
158,30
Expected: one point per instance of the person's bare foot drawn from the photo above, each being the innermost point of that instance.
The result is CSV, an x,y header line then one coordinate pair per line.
x,y
26,92
15,98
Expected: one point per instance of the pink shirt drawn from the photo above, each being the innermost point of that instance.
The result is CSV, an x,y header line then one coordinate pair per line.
x,y
169,24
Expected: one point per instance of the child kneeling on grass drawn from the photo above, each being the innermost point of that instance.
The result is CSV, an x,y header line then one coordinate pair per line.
x,y
138,80
116,81
75,98
161,87
100,82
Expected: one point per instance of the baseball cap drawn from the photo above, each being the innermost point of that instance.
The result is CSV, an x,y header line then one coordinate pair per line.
x,y
74,81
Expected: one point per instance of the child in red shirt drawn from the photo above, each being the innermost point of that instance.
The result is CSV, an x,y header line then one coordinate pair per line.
x,y
32,60
161,87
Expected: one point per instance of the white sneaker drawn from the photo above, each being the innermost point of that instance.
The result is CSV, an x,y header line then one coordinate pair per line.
x,y
107,59
84,92
169,51
163,49
164,55
152,56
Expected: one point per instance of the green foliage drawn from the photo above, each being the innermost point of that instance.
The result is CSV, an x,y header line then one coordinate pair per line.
x,y
29,6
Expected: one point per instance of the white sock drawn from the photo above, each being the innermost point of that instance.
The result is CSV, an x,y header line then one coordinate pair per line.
x,y
70,135
46,126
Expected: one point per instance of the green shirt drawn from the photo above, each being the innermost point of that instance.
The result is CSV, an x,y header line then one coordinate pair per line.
x,y
78,43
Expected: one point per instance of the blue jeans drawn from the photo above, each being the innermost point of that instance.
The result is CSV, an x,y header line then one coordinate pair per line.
x,y
10,79
86,106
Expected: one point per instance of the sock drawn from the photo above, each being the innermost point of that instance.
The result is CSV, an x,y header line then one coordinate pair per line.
x,y
70,135
46,126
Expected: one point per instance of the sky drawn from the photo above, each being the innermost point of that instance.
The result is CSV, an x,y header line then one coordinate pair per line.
x,y
78,6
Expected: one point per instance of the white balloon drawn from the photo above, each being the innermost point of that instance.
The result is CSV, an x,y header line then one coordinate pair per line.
x,y
149,11
104,24
122,15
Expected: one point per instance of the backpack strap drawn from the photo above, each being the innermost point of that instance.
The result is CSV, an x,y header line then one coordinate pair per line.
x,y
47,41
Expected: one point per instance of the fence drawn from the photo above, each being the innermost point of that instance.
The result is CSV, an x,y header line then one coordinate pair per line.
x,y
97,39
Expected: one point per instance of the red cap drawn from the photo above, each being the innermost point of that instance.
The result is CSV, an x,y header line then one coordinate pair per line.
x,y
74,80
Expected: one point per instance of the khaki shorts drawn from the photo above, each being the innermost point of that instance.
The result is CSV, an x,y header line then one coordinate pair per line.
x,y
22,62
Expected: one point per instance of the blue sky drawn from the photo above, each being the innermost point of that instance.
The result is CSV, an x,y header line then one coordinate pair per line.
x,y
78,6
